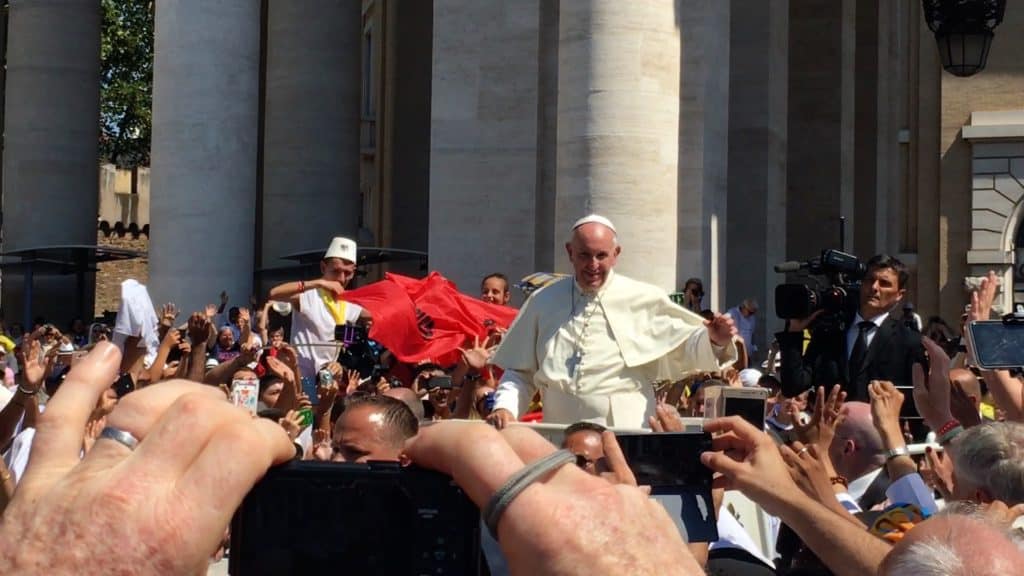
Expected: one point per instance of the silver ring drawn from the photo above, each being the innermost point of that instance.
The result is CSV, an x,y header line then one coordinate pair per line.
x,y
802,450
120,436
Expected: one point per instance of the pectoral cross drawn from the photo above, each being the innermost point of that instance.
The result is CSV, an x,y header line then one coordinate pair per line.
x,y
572,363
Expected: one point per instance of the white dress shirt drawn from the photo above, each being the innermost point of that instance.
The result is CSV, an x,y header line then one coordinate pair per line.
x,y
854,330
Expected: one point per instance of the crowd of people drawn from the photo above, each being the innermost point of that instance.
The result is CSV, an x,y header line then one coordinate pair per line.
x,y
120,457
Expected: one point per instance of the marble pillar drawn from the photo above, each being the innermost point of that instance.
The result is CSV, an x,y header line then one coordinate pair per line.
x,y
311,126
483,141
205,126
618,129
51,147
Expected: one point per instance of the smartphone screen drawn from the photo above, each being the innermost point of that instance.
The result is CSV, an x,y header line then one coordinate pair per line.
x,y
750,409
289,522
670,464
996,344
669,461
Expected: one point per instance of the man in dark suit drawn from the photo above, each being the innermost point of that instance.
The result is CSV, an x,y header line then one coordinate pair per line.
x,y
875,345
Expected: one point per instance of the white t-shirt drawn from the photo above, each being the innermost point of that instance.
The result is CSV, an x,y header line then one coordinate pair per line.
x,y
313,323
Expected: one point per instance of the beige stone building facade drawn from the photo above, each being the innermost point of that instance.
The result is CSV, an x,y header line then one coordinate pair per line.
x,y
722,137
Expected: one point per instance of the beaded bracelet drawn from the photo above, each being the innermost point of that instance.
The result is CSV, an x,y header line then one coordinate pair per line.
x,y
950,435
945,428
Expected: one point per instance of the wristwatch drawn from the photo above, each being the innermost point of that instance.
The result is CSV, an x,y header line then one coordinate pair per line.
x,y
896,452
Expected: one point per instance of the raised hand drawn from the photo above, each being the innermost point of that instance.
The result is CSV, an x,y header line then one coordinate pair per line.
x,y
983,297
168,314
886,401
665,419
322,449
292,424
351,381
721,329
199,328
243,317
962,406
821,428
210,311
279,368
326,395
932,390
478,356
33,365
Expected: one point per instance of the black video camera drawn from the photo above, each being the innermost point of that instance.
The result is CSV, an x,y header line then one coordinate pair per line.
x,y
358,351
374,518
839,298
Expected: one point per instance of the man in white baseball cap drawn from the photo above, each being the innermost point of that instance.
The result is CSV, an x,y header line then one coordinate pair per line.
x,y
319,305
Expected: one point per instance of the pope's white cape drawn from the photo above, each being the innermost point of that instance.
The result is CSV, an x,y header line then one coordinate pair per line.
x,y
646,325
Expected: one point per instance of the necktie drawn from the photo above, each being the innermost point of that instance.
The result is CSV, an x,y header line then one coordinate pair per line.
x,y
860,349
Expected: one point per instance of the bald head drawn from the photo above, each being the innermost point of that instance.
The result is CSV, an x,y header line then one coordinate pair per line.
x,y
857,448
409,398
953,545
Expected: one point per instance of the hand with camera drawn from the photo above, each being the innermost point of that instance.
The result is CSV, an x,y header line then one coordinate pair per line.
x,y
102,503
535,540
749,461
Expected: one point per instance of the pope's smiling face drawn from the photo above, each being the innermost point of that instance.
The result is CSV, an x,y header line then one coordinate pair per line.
x,y
593,252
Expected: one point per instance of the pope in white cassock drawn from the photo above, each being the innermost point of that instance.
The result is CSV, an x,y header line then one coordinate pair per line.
x,y
595,343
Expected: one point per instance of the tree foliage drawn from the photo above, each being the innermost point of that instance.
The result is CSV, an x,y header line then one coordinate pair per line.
x,y
126,81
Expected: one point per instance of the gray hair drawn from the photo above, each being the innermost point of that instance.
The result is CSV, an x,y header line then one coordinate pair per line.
x,y
991,457
931,557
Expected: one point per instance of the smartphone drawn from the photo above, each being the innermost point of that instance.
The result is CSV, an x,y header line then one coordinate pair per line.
x,y
440,382
124,385
747,403
997,344
307,416
245,393
670,464
289,522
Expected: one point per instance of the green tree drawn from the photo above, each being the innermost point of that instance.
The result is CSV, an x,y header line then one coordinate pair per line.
x,y
126,82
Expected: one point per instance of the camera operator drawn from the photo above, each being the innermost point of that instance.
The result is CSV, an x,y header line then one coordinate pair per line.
x,y
875,344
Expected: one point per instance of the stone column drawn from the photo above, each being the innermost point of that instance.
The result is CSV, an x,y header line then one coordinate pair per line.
x,y
618,127
205,112
820,125
311,125
704,148
51,144
483,145
757,157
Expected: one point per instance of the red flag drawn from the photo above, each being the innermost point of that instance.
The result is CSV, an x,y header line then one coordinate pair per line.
x,y
427,318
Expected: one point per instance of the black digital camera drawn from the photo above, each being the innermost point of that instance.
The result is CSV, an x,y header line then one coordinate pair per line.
x,y
839,298
376,518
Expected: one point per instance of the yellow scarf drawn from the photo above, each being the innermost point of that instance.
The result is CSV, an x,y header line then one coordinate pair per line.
x,y
334,306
